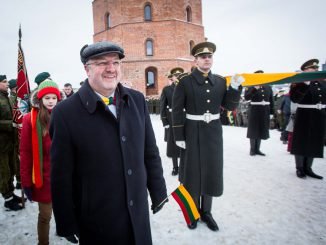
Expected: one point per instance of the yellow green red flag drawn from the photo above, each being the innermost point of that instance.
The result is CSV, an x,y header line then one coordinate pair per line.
x,y
252,79
186,203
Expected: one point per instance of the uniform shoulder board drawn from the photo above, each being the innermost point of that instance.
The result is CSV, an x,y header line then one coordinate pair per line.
x,y
219,76
182,75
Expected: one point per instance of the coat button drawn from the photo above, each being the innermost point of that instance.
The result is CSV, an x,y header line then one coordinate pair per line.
x,y
131,203
206,81
129,172
123,138
207,90
207,111
208,101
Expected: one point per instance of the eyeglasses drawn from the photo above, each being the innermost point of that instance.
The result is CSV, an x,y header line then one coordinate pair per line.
x,y
104,64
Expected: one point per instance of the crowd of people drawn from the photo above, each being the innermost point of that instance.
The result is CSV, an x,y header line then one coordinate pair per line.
x,y
90,157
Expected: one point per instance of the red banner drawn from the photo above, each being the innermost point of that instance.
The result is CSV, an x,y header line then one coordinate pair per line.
x,y
21,106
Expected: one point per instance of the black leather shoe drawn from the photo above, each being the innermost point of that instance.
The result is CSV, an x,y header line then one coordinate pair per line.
x,y
301,174
193,225
12,205
311,174
175,171
19,199
260,153
209,220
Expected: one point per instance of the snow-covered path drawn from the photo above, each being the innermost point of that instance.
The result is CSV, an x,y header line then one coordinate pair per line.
x,y
263,201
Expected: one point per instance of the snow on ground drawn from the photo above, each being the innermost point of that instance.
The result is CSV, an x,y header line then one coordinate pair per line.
x,y
263,201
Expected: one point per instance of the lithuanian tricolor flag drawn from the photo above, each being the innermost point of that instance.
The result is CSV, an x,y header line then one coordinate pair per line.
x,y
252,79
187,205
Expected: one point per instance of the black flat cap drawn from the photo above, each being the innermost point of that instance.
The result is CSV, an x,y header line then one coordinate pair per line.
x,y
259,71
101,48
313,63
203,48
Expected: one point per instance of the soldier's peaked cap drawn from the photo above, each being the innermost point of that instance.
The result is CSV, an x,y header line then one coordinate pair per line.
x,y
259,71
176,71
98,49
313,63
203,48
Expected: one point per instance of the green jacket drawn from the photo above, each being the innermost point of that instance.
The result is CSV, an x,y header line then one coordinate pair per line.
x,y
6,128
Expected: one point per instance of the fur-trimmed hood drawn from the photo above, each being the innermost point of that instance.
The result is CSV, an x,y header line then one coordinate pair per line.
x,y
35,102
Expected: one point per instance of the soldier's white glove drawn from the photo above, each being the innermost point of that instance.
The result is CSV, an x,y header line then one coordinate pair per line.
x,y
181,144
166,126
236,81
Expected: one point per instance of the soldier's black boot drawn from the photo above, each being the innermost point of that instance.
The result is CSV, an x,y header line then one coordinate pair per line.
x,y
206,215
252,147
307,168
12,205
299,161
175,170
258,152
19,199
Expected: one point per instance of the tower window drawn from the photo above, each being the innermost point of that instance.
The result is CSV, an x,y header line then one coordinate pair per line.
x,y
188,14
107,21
151,77
149,47
148,12
191,45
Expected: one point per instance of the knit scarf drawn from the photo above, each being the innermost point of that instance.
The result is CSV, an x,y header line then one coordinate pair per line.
x,y
37,175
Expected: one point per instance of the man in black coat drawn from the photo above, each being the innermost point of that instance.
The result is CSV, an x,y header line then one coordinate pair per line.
x,y
261,107
201,94
104,157
310,121
172,150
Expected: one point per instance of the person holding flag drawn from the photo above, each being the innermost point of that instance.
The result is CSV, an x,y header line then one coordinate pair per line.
x,y
201,94
310,121
7,139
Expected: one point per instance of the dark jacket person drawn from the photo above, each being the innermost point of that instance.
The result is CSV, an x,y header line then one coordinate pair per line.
x,y
104,157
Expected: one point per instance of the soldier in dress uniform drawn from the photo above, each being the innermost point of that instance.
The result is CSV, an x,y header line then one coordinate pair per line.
x,y
7,165
260,109
172,150
201,94
13,98
310,119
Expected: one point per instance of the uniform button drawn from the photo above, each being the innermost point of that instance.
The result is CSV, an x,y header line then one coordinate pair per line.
x,y
208,91
208,101
320,95
318,88
129,172
207,111
123,138
206,81
131,203
263,95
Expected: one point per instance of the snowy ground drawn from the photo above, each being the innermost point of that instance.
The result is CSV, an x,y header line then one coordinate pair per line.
x,y
263,201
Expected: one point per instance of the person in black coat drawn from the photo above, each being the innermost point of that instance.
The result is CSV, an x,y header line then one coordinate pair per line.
x,y
310,120
201,94
172,150
104,157
260,109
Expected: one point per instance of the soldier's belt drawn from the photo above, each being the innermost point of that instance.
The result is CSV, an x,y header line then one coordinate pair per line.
x,y
318,106
260,103
206,117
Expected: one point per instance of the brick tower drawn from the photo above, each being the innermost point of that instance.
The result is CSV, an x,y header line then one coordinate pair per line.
x,y
157,35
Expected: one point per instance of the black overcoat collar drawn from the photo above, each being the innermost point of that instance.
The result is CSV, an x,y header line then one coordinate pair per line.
x,y
200,78
91,100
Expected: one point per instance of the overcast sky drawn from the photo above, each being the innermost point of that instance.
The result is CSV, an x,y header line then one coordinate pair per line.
x,y
273,35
